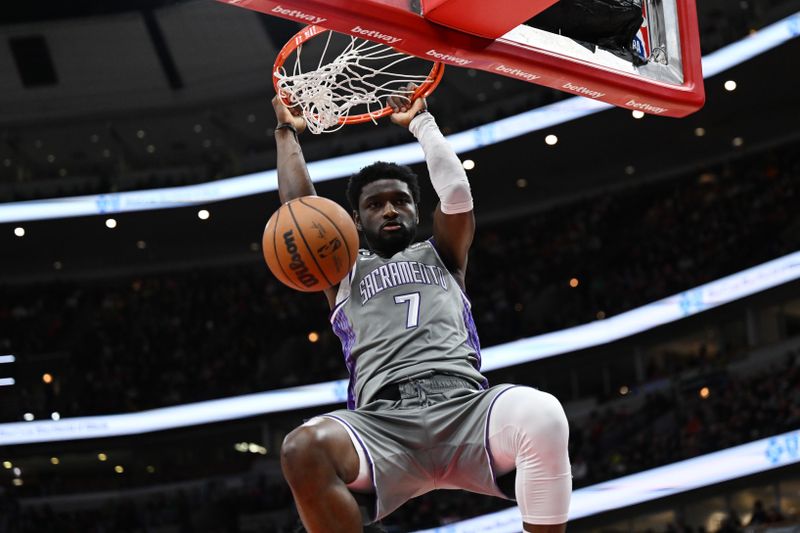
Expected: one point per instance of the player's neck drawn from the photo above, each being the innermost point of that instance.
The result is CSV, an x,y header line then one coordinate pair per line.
x,y
388,251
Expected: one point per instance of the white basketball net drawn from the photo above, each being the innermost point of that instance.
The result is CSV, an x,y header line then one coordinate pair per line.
x,y
361,75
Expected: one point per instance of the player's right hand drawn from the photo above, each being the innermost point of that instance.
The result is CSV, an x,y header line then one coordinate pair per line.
x,y
293,115
404,109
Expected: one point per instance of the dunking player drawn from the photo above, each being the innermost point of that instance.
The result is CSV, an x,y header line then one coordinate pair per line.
x,y
420,415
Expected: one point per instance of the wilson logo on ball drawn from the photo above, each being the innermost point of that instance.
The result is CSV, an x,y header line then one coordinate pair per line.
x,y
310,243
298,265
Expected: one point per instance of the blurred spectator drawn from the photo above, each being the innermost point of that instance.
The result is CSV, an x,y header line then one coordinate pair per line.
x,y
179,337
758,515
606,444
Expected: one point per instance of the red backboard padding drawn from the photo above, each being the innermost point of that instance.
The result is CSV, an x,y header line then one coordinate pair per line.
x,y
469,16
391,22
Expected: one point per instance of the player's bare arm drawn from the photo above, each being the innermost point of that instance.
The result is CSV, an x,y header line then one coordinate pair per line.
x,y
453,220
293,178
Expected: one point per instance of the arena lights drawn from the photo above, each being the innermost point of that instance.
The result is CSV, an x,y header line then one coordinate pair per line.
x,y
730,85
737,142
47,378
7,382
141,245
28,417
637,114
699,132
55,461
250,447
111,223
707,177
55,415
102,457
551,140
468,164
407,154
203,214
596,333
7,359
19,231
8,465
119,469
313,336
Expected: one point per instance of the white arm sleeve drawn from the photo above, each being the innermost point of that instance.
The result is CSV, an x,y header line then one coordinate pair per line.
x,y
447,174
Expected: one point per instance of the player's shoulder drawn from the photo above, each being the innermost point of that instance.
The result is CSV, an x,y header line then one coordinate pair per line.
x,y
423,250
418,251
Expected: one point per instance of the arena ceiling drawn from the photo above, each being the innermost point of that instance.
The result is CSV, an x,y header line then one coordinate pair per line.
x,y
93,129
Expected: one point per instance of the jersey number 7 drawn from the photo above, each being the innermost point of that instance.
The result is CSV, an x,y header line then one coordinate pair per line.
x,y
412,308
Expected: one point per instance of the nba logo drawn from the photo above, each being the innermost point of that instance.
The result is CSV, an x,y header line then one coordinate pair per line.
x,y
641,42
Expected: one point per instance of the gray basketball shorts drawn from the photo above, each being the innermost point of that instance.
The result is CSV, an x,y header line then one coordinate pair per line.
x,y
417,445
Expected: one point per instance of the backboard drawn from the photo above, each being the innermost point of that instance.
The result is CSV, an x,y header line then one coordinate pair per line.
x,y
669,84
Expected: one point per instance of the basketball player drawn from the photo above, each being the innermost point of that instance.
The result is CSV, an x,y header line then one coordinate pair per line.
x,y
420,414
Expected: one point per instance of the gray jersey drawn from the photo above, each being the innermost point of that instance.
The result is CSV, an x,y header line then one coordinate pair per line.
x,y
401,316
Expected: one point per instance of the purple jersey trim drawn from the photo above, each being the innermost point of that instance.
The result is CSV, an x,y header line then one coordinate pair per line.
x,y
336,308
472,331
344,330
472,337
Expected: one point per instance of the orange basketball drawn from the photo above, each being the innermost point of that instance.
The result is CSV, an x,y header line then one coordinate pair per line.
x,y
310,243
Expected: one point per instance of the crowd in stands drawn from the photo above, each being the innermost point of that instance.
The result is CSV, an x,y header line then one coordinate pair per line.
x,y
627,249
186,336
669,426
721,23
128,344
210,507
674,424
680,423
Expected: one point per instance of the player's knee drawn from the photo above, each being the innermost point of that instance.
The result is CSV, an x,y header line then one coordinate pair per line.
x,y
301,451
542,422
554,421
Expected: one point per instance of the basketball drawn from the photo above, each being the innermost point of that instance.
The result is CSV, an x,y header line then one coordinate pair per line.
x,y
310,243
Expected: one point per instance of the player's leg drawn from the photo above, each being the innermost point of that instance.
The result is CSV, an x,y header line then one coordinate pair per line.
x,y
528,432
318,460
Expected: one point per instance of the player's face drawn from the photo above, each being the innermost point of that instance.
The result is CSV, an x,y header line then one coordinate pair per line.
x,y
387,215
